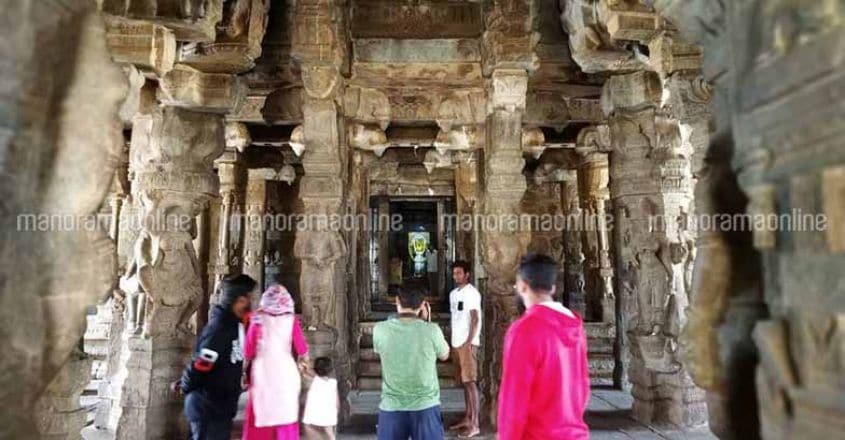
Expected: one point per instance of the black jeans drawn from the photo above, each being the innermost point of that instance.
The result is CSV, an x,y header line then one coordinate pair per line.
x,y
213,429
209,420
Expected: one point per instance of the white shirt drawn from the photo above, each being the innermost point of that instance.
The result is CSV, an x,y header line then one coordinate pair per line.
x,y
466,299
321,404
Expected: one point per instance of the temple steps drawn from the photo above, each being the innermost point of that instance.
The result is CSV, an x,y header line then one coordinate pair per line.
x,y
600,341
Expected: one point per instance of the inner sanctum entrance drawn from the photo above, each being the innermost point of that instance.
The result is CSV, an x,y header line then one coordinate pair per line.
x,y
415,252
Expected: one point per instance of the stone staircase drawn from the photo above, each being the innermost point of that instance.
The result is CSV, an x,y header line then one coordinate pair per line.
x,y
600,339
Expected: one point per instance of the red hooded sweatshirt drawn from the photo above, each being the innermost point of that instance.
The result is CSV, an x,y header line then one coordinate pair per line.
x,y
545,382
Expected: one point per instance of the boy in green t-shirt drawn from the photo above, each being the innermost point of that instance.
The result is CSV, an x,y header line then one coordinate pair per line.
x,y
409,346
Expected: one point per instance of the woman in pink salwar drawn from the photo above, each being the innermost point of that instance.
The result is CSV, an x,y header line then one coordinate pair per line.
x,y
272,410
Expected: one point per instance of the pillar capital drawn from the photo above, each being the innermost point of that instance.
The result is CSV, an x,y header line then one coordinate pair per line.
x,y
631,92
508,89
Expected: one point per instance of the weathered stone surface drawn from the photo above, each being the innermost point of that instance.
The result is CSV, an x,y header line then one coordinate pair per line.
x,y
652,194
171,158
59,144
58,414
504,186
427,19
193,20
187,87
146,45
238,40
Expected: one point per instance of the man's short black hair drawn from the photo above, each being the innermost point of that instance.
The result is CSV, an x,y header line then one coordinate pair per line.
x,y
410,298
323,366
463,264
538,271
235,286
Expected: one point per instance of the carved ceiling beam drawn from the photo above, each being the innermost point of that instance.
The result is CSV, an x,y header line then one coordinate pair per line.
x,y
209,92
238,40
611,36
509,38
148,46
194,20
553,109
424,19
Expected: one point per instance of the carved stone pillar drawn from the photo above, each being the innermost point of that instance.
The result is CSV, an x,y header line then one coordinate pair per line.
x,y
228,168
466,188
504,186
651,186
60,143
574,276
319,43
593,178
256,207
171,158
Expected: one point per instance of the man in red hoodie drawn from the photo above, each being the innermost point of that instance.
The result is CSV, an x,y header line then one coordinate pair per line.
x,y
545,382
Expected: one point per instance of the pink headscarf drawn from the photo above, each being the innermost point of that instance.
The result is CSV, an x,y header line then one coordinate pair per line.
x,y
276,300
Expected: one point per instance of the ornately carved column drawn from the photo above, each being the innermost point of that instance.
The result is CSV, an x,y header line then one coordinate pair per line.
x,y
573,263
593,179
256,207
171,158
228,168
319,44
504,186
651,186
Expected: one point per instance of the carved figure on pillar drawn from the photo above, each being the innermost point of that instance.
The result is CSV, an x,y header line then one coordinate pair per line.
x,y
652,187
171,159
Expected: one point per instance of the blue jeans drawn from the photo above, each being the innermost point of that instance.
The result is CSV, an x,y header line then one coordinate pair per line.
x,y
424,424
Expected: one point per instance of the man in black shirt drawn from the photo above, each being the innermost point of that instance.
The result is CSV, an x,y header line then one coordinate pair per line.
x,y
212,381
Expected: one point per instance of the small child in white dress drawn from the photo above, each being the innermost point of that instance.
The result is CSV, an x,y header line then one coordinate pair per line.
x,y
322,403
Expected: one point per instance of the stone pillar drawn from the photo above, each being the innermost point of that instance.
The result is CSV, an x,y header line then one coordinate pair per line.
x,y
504,186
651,186
573,264
253,246
466,190
593,178
171,158
319,43
228,169
60,144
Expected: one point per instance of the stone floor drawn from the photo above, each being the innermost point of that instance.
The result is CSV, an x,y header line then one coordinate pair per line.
x,y
609,417
608,414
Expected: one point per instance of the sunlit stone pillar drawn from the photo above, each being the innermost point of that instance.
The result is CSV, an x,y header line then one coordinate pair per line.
x,y
593,178
651,187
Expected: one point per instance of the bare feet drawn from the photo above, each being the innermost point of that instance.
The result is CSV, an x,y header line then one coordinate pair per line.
x,y
463,424
470,432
